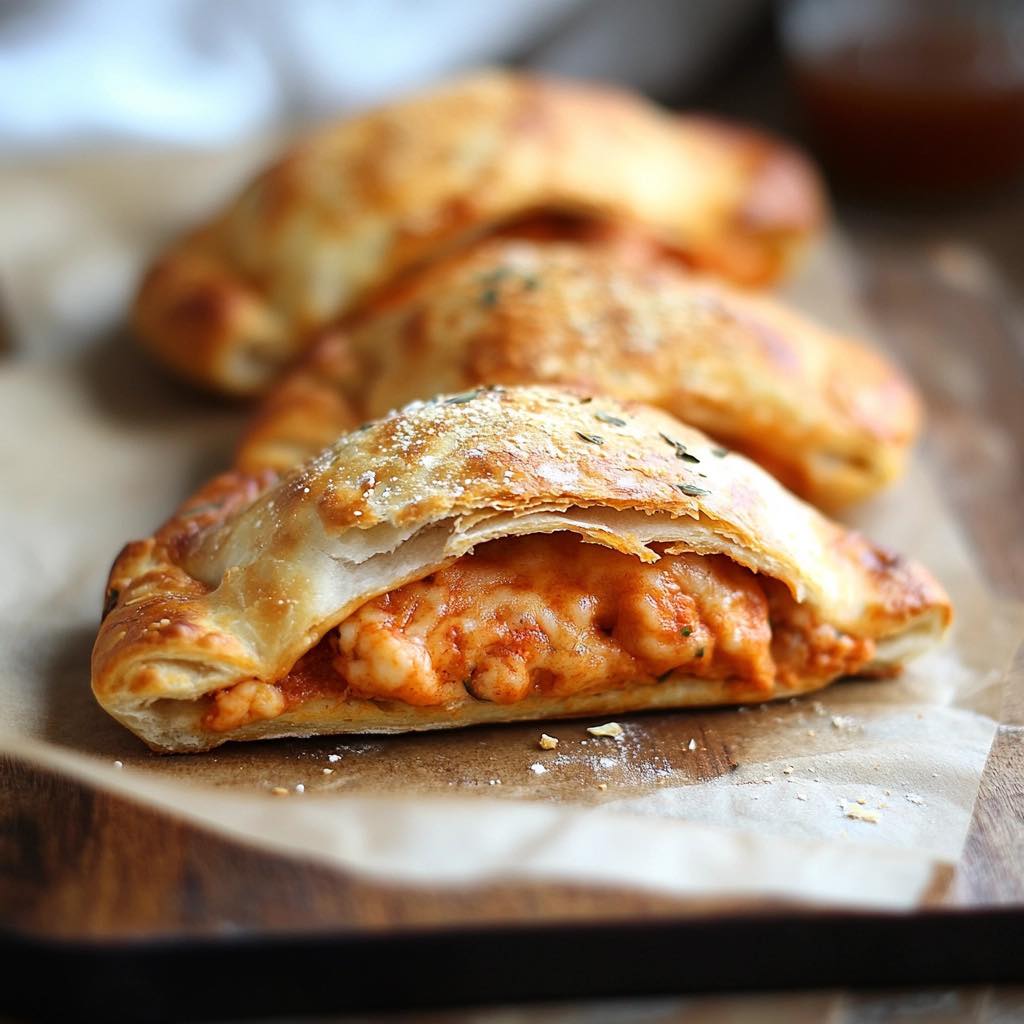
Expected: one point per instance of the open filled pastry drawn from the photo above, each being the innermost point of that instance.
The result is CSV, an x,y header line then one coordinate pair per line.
x,y
355,205
828,415
494,555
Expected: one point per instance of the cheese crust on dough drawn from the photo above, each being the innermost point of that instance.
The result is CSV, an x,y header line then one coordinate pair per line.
x,y
427,571
356,204
826,414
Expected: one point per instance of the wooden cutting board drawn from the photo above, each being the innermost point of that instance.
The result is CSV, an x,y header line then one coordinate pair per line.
x,y
113,895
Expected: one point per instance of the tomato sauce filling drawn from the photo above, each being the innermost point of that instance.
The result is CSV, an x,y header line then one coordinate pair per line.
x,y
551,616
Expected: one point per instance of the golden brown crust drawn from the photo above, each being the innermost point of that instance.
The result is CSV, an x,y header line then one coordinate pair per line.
x,y
358,203
251,574
828,415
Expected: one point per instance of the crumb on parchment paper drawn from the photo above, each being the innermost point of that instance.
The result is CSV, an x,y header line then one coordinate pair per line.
x,y
537,768
692,745
612,729
279,791
860,813
547,742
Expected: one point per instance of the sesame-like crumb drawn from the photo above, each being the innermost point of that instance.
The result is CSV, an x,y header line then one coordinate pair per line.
x,y
327,771
602,786
692,745
608,729
300,788
537,768
119,764
279,791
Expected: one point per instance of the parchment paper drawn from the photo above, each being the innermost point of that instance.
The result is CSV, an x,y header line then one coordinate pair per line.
x,y
101,446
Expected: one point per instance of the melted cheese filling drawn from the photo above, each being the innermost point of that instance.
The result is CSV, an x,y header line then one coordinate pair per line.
x,y
549,615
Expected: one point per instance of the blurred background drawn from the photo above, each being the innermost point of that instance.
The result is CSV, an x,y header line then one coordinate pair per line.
x,y
124,123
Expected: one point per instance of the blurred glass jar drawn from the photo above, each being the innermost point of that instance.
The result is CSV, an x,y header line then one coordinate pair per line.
x,y
911,95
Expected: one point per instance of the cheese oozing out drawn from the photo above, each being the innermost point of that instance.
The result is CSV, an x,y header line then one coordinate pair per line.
x,y
552,615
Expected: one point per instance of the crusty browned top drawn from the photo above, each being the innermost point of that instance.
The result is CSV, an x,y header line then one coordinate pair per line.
x,y
251,573
357,203
828,415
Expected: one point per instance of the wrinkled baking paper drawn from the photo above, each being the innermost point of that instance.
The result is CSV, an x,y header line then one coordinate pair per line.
x,y
856,796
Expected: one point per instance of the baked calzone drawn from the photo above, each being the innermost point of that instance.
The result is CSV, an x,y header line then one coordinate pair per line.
x,y
828,415
354,205
487,556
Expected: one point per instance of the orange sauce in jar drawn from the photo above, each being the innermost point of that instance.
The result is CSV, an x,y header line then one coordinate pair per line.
x,y
937,107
